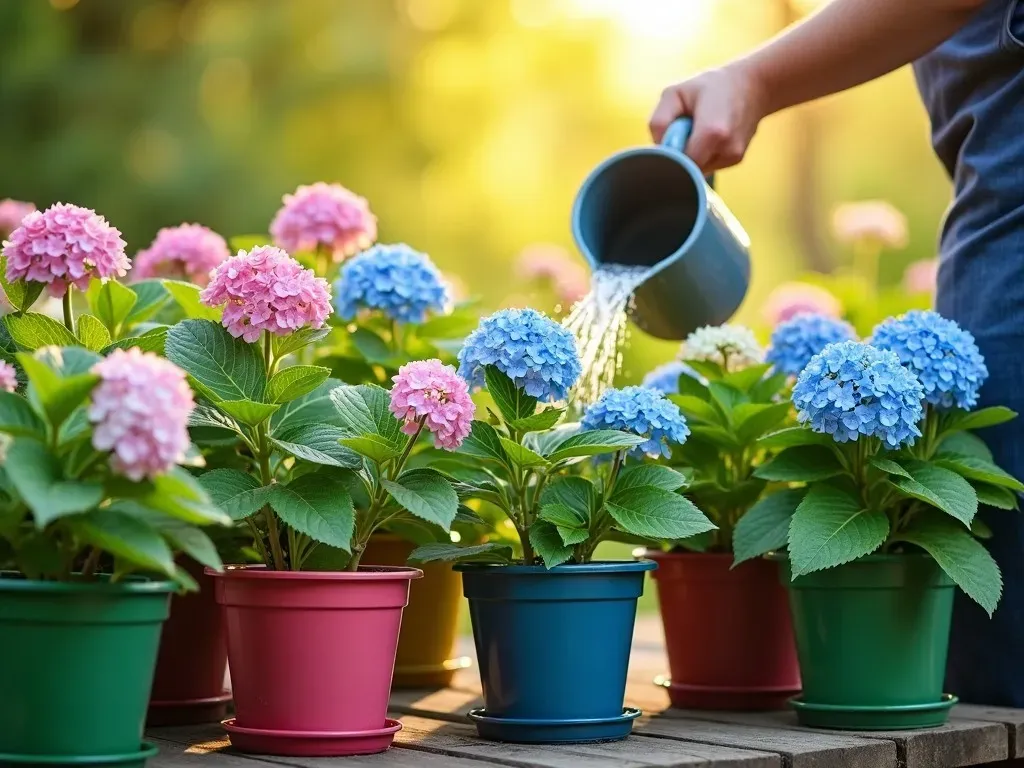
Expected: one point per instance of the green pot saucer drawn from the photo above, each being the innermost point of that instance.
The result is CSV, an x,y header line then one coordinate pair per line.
x,y
135,759
882,718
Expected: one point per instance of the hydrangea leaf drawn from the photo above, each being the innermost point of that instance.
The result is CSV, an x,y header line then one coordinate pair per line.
x,y
830,527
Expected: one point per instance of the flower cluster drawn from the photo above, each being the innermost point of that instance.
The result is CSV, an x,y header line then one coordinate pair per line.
x,y
640,411
872,221
12,212
942,354
549,263
851,389
189,251
733,347
665,378
530,348
791,299
431,392
327,216
267,290
800,338
63,245
140,410
8,377
394,279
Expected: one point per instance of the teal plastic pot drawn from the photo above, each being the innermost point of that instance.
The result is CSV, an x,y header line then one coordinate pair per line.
x,y
76,667
871,637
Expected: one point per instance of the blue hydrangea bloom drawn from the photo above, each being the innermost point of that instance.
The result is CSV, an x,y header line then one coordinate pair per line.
x,y
640,411
942,354
537,353
795,341
851,389
665,378
402,283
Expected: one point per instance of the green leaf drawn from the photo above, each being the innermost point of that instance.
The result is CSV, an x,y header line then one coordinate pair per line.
x,y
175,493
941,488
802,464
318,443
792,437
293,342
425,493
363,410
37,475
111,302
227,367
752,420
453,326
513,402
539,422
709,370
964,444
978,469
32,331
314,408
765,526
491,552
746,378
150,298
483,442
182,537
693,387
295,381
373,447
830,528
124,536
237,494
994,496
247,412
980,530
520,455
151,341
593,443
559,514
318,505
92,333
768,389
888,466
963,558
17,417
371,346
547,543
698,409
984,417
186,295
577,494
21,293
718,436
726,396
57,397
657,513
648,475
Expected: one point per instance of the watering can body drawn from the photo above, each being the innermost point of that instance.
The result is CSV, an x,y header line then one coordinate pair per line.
x,y
652,207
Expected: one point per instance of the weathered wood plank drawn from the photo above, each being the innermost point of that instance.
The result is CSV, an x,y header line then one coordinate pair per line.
x,y
460,740
1013,719
175,755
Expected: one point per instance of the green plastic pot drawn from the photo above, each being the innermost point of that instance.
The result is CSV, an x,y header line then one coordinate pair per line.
x,y
872,637
76,665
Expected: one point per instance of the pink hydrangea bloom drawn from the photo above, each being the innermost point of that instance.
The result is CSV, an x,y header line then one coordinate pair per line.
x,y
921,276
431,390
11,214
65,244
326,215
8,379
140,410
550,263
189,251
790,299
870,220
267,290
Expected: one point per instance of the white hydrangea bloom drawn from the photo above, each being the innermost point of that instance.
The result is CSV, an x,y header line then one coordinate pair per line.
x,y
734,347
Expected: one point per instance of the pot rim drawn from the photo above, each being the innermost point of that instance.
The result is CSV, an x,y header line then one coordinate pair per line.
x,y
654,554
365,573
133,586
600,566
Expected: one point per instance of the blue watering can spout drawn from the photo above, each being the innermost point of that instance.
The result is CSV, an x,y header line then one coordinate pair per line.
x,y
650,207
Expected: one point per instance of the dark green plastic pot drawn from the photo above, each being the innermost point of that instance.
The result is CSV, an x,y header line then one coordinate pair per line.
x,y
872,637
76,667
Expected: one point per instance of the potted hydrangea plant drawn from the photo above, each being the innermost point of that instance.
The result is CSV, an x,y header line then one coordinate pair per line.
x,y
536,613
879,526
311,652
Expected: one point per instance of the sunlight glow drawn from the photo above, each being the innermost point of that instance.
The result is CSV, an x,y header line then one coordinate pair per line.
x,y
675,20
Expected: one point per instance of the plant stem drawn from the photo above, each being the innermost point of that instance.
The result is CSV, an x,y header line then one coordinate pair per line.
x,y
69,316
396,336
268,513
323,261
268,353
89,568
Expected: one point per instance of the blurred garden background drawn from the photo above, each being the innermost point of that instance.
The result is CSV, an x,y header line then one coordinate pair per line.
x,y
467,125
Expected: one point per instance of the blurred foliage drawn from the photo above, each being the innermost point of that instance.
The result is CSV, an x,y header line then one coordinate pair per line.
x,y
468,125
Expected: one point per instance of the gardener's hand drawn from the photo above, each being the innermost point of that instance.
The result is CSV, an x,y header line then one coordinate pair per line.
x,y
726,105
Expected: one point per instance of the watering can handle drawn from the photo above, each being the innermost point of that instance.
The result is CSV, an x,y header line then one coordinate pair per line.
x,y
677,135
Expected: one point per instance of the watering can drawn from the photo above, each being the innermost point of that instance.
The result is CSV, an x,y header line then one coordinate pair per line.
x,y
652,207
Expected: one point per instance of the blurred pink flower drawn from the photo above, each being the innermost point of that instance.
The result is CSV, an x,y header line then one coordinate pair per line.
x,y
267,290
789,299
140,410
921,276
65,244
430,390
325,215
8,379
11,214
870,220
552,264
188,251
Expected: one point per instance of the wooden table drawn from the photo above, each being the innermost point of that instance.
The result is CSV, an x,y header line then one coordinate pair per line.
x,y
436,734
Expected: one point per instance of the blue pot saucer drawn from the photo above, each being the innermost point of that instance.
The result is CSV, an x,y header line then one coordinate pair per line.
x,y
534,731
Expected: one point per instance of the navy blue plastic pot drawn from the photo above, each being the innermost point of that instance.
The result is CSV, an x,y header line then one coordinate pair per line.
x,y
553,649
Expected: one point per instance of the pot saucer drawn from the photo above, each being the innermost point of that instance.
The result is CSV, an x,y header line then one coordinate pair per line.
x,y
725,698
135,759
429,675
188,711
263,741
891,718
533,731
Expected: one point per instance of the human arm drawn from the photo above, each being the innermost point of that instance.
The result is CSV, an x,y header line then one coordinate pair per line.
x,y
848,42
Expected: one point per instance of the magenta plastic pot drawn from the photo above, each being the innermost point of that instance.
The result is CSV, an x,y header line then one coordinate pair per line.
x,y
311,656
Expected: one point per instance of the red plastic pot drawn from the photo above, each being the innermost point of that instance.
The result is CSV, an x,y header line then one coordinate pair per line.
x,y
311,656
727,632
189,684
